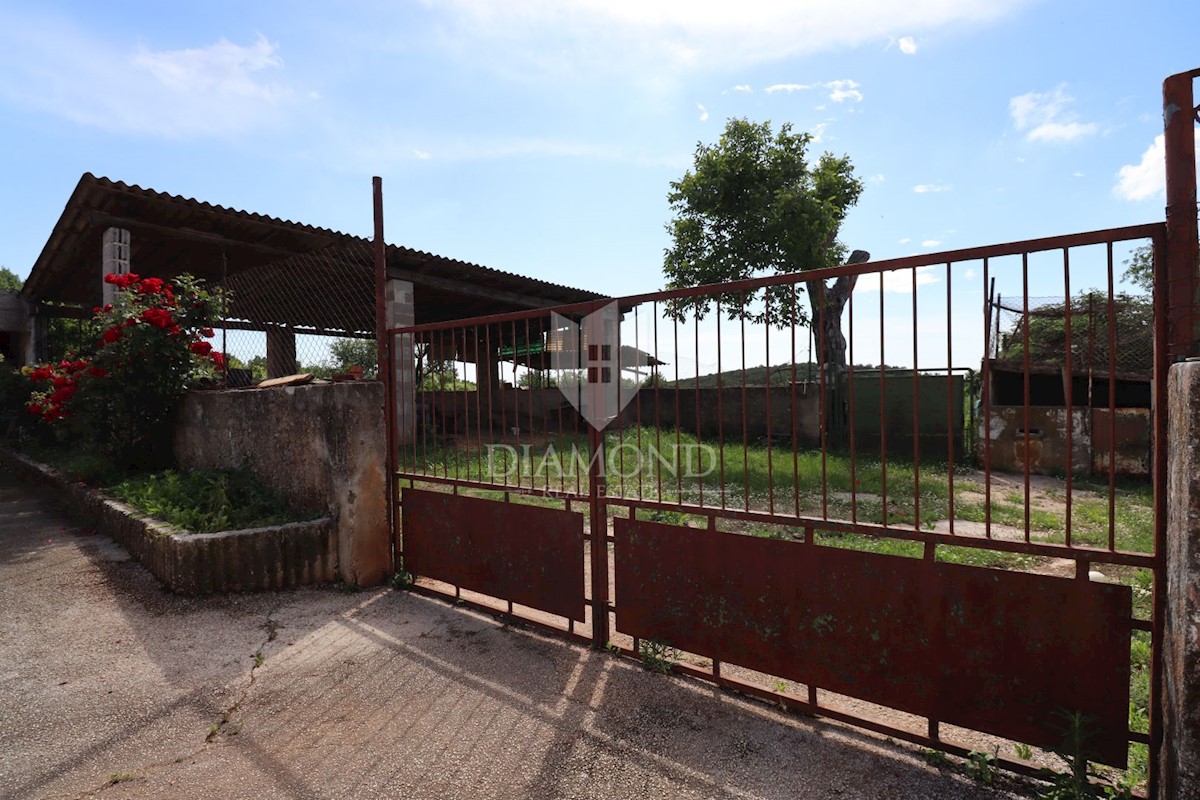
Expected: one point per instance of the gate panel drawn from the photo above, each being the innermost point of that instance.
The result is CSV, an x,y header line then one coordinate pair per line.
x,y
527,554
996,651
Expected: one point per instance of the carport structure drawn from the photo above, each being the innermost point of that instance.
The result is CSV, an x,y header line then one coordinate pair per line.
x,y
287,278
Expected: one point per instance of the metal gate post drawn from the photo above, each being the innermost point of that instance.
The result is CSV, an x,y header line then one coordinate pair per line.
x,y
383,344
1183,244
598,551
1172,724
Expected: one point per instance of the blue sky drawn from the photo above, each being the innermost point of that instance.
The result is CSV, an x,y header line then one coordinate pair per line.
x,y
540,137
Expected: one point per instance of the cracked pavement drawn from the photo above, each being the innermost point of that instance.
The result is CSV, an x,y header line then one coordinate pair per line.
x,y
112,687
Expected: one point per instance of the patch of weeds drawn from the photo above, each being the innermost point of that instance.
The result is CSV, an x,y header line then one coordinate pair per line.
x,y
85,466
982,557
204,501
401,580
981,765
936,758
258,659
1023,751
1076,784
781,687
344,586
658,656
662,515
272,628
121,777
612,648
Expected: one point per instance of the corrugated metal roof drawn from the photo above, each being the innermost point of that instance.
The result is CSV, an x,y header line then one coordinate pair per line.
x,y
98,203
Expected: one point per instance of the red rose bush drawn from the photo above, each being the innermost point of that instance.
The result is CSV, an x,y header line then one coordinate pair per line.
x,y
150,347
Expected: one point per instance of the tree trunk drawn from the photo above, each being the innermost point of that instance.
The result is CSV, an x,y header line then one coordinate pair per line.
x,y
827,323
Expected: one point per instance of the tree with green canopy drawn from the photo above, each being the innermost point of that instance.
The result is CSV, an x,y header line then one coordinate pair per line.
x,y
753,205
9,282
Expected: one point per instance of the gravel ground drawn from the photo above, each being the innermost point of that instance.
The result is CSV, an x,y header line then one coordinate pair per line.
x,y
112,687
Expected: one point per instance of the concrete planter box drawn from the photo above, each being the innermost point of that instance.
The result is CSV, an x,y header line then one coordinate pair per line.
x,y
279,557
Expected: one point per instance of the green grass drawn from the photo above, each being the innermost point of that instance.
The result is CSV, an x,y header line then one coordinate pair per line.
x,y
810,483
204,501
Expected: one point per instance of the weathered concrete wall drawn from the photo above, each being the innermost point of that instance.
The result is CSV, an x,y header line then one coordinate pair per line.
x,y
1046,452
16,321
715,411
323,447
1179,758
279,557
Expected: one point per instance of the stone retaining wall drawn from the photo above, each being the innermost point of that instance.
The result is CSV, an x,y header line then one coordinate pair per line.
x,y
279,557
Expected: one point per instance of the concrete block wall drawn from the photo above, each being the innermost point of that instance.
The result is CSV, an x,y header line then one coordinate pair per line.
x,y
323,447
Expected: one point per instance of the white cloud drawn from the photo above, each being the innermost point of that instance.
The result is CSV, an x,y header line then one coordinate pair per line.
x,y
217,89
969,273
1076,174
421,155
787,87
878,178
931,243
898,281
905,240
1048,116
926,188
742,87
625,35
908,45
1147,178
841,91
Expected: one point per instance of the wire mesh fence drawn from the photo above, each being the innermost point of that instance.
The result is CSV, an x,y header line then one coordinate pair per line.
x,y
310,313
1106,331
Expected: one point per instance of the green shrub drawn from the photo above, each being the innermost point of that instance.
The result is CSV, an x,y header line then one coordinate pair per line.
x,y
204,501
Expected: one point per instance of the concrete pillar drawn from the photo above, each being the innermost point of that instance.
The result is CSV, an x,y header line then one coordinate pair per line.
x,y
114,260
487,372
401,313
1179,759
281,352
37,339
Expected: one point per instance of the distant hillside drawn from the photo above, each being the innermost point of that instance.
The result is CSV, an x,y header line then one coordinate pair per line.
x,y
781,375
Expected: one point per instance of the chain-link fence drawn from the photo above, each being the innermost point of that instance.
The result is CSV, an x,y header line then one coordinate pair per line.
x,y
1116,333
310,313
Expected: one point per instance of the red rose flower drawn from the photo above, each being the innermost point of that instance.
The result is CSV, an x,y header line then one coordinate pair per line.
x,y
112,334
97,372
158,317
200,348
150,286
63,394
218,359
122,281
207,333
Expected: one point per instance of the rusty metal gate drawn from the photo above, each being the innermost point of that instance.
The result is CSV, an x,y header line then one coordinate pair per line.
x,y
656,474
